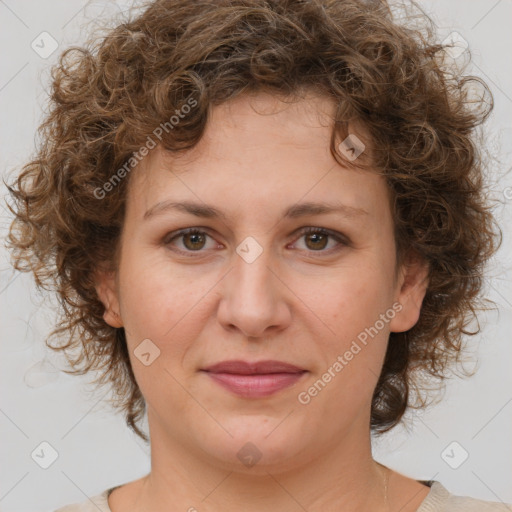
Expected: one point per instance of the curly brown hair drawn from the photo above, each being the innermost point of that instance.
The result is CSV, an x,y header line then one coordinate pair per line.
x,y
108,97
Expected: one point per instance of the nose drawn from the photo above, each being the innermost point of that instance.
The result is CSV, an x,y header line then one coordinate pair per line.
x,y
254,299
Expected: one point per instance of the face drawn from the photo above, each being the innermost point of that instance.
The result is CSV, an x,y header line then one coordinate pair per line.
x,y
262,275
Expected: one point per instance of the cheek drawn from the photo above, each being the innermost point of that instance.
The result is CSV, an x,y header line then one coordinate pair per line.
x,y
352,350
149,303
353,301
351,307
162,305
160,310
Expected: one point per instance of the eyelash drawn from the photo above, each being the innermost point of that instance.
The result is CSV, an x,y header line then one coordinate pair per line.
x,y
343,241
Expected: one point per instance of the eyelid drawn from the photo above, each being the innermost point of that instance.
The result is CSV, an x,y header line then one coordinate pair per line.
x,y
340,238
185,231
343,241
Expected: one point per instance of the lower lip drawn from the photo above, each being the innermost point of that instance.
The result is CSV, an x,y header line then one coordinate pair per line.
x,y
255,386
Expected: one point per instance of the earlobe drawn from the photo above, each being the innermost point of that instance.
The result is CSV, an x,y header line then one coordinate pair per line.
x,y
105,284
411,289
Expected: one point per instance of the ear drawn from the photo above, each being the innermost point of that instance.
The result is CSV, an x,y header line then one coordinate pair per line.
x,y
411,287
105,284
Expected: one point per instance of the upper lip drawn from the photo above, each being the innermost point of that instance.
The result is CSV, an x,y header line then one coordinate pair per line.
x,y
256,368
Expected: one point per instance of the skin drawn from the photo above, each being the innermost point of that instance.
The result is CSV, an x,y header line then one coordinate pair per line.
x,y
302,301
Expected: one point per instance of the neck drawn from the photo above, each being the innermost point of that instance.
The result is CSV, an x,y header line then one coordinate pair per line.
x,y
344,477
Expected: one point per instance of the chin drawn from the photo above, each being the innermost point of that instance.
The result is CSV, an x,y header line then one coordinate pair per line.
x,y
257,447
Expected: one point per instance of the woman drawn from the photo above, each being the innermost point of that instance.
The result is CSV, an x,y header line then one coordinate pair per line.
x,y
265,220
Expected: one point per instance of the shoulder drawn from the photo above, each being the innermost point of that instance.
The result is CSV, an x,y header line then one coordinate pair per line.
x,y
441,500
98,503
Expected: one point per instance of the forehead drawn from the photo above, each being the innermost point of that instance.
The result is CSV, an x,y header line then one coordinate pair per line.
x,y
258,150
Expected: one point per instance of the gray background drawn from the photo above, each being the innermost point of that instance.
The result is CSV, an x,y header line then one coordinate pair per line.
x,y
95,450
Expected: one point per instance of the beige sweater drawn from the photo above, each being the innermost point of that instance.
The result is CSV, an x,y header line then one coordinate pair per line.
x,y
437,500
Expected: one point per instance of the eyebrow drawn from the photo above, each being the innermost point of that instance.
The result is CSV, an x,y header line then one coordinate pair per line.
x,y
293,212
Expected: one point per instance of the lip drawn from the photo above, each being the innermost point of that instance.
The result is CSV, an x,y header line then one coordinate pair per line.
x,y
240,367
254,380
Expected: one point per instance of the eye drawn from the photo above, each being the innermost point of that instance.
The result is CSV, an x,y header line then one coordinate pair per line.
x,y
193,239
317,239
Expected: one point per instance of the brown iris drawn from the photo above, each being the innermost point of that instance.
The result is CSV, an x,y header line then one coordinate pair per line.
x,y
319,240
197,240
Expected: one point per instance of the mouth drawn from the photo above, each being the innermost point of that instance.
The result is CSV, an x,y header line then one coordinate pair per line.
x,y
254,380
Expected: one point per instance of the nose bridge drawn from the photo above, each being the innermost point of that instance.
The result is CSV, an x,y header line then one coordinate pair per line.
x,y
252,300
252,278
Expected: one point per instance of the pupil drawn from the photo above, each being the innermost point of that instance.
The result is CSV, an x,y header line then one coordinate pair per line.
x,y
318,237
196,238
